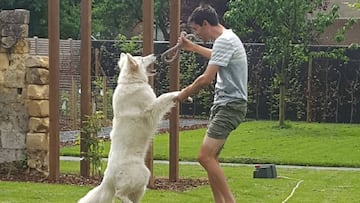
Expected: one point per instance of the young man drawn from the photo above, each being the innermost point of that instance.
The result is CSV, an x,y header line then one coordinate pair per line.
x,y
228,64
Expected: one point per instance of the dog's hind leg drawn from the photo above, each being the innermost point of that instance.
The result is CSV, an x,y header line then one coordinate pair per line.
x,y
137,195
122,194
133,197
124,199
102,193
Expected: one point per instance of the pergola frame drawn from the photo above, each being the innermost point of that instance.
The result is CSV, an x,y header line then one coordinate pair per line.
x,y
85,63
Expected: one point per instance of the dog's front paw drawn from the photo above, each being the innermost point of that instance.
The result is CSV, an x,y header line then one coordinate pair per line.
x,y
189,100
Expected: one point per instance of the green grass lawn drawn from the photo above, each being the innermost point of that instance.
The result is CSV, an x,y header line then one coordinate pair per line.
x,y
321,186
263,142
253,142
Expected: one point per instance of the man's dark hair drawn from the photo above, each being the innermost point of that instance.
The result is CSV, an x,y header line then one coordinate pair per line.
x,y
204,12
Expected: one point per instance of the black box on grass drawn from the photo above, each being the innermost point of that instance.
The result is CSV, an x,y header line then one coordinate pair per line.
x,y
265,171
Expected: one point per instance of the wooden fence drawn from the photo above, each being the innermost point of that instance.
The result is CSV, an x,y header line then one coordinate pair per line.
x,y
69,54
69,83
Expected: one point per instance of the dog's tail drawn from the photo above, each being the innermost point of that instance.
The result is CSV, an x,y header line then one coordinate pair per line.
x,y
102,193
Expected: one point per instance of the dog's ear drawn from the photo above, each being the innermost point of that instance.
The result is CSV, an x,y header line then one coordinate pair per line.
x,y
122,60
132,63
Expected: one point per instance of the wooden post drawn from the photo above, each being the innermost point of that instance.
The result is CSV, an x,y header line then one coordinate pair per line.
x,y
148,48
85,61
54,38
175,6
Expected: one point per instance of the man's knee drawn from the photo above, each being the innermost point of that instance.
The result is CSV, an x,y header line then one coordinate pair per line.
x,y
203,159
206,159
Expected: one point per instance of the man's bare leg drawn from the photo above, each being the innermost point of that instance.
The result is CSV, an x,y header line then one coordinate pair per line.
x,y
208,158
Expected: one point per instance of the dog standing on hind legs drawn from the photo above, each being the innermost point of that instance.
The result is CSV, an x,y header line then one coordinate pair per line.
x,y
137,112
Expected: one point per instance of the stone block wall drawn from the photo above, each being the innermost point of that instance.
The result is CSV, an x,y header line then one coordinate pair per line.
x,y
14,49
24,94
37,99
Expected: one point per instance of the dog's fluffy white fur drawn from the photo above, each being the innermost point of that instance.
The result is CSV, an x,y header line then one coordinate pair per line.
x,y
137,112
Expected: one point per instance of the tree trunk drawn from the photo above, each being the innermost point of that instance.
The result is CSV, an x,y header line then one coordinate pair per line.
x,y
338,98
309,92
325,104
282,93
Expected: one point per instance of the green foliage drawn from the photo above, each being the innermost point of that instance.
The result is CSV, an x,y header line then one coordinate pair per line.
x,y
333,54
91,128
69,19
287,28
161,78
98,84
340,34
355,5
113,17
190,69
273,100
258,84
109,17
132,45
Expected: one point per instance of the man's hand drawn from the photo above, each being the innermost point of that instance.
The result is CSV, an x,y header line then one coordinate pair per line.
x,y
186,44
183,96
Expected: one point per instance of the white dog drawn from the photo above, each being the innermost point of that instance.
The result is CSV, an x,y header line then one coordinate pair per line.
x,y
137,113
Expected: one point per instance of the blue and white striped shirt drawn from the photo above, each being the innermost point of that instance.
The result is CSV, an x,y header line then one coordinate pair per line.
x,y
231,81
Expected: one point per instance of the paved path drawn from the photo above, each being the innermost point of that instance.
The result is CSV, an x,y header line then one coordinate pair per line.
x,y
69,158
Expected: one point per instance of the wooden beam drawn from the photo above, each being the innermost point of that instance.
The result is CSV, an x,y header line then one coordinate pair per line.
x,y
54,38
175,6
148,48
85,66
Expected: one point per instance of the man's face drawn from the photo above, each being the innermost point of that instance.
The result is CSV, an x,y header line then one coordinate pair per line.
x,y
201,31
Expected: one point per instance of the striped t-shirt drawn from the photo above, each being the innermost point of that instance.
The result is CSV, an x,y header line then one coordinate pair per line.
x,y
231,81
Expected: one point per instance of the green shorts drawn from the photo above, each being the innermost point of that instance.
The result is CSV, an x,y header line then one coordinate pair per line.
x,y
226,118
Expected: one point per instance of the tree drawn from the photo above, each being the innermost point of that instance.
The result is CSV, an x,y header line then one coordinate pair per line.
x,y
69,19
109,17
114,17
287,28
